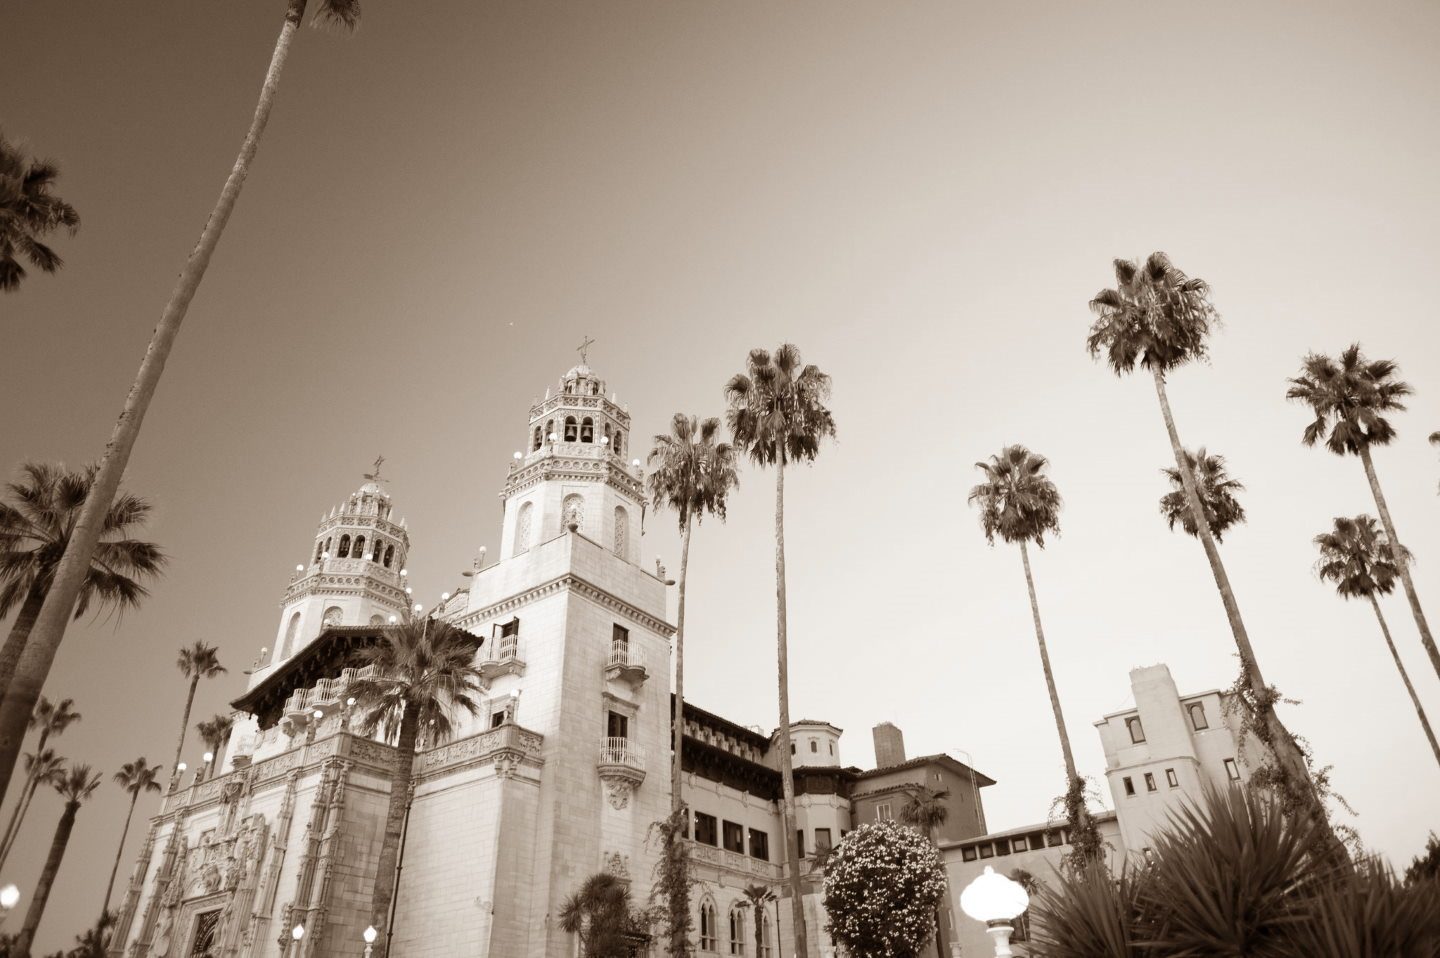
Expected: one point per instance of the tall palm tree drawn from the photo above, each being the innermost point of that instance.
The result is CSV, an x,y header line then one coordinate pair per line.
x,y
28,212
756,897
42,767
76,786
1158,318
1217,495
1350,398
199,661
135,777
600,914
424,669
777,415
213,732
1356,556
70,575
927,810
51,719
35,528
1020,504
693,474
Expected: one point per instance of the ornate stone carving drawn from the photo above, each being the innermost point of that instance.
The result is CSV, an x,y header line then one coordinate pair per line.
x,y
618,790
573,512
618,865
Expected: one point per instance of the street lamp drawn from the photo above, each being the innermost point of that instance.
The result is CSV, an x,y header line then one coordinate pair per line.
x,y
995,900
9,898
370,935
296,934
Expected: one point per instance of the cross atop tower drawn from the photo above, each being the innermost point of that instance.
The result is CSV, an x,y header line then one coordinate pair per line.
x,y
375,476
583,348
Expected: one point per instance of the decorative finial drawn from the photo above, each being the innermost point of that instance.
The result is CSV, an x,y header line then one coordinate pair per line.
x,y
584,348
375,476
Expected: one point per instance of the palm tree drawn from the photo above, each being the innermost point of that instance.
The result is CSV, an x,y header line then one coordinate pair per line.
x,y
1217,495
42,767
600,914
199,661
1160,319
1020,504
1349,399
77,785
1357,558
50,719
135,777
213,733
777,414
70,575
423,670
28,211
756,898
693,474
35,528
927,810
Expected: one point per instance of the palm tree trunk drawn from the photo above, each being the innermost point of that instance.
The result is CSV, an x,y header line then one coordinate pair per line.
x,y
18,818
1426,638
185,723
394,822
21,948
1277,737
787,781
1405,677
19,632
759,930
34,665
679,890
1070,774
114,869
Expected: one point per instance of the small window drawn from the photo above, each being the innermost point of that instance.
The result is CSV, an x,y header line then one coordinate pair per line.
x,y
800,843
705,829
359,547
987,850
759,845
1002,846
1054,839
1150,782
792,748
617,725
737,931
1129,786
1197,716
1018,844
389,555
1171,779
968,853
1232,771
832,748
510,628
572,430
497,719
883,813
822,840
1137,731
344,547
767,947
814,746
709,932
734,838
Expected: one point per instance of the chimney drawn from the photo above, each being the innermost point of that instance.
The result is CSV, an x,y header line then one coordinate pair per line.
x,y
889,745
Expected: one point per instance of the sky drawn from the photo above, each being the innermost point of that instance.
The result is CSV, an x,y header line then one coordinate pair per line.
x,y
922,196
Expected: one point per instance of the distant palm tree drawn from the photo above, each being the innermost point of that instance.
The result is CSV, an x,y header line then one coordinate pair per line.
x,y
50,719
777,415
199,661
756,897
135,777
49,630
927,810
1158,318
36,526
1349,399
600,914
1357,558
693,474
41,768
28,212
1020,504
213,732
1217,495
424,669
76,786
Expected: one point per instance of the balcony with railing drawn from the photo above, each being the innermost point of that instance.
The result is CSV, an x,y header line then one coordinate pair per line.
x,y
621,767
626,662
325,694
501,656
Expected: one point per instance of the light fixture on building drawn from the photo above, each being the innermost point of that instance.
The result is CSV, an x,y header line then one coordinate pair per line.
x,y
635,463
181,767
444,597
995,900
392,620
350,702
604,440
518,456
9,897
209,757
319,715
408,590
324,555
404,572
370,935
417,604
297,932
299,568
551,437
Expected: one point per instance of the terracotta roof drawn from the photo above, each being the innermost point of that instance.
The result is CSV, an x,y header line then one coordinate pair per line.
x,y
940,758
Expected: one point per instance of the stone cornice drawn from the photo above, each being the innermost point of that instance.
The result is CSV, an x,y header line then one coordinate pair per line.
x,y
508,748
611,471
569,582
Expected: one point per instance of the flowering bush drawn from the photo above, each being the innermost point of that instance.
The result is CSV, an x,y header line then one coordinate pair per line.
x,y
882,886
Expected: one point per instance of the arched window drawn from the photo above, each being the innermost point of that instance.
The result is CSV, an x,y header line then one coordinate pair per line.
x,y
737,930
535,441
376,621
327,543
572,431
767,938
319,550
379,550
622,530
359,549
709,927
608,437
1197,716
619,443
587,430
1137,731
389,555
332,616
550,431
344,547
288,649
522,529
573,513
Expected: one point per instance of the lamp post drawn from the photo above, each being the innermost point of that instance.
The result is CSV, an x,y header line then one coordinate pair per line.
x,y
370,935
9,898
296,934
995,900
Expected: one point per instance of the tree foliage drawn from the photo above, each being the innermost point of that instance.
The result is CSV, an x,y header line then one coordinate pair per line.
x,y
599,912
29,211
1217,493
882,887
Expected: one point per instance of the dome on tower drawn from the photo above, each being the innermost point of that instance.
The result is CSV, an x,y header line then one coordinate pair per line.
x,y
372,488
579,369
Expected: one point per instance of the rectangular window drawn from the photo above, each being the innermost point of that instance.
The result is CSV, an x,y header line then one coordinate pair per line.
x,y
800,842
617,725
968,853
882,812
759,845
1137,731
1197,716
822,840
1017,844
1129,786
1054,839
987,850
1171,779
685,829
734,838
705,830
1232,770
510,628
620,634
497,719
1150,782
